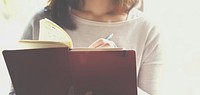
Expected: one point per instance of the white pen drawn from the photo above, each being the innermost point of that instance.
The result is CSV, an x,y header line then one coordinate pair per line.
x,y
109,36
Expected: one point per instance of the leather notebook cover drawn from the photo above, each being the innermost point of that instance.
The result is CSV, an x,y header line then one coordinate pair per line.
x,y
52,71
104,73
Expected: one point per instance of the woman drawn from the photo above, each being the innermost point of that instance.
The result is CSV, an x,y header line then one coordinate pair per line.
x,y
88,20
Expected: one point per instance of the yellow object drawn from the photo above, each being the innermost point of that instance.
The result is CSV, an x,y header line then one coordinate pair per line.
x,y
50,31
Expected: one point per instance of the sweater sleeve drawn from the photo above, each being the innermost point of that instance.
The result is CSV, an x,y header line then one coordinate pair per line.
x,y
31,32
152,63
28,32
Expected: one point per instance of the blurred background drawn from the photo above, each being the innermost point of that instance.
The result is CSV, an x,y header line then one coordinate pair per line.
x,y
14,16
178,21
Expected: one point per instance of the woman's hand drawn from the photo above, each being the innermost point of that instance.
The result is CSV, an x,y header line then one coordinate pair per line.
x,y
103,43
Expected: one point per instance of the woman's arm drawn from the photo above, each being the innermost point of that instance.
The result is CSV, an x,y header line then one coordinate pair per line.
x,y
149,78
31,32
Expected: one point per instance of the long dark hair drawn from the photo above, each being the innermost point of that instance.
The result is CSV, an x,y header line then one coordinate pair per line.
x,y
60,13
60,10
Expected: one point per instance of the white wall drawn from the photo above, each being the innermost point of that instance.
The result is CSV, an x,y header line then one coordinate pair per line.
x,y
179,22
13,18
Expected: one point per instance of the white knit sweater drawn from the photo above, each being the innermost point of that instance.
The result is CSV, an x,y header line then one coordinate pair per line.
x,y
136,33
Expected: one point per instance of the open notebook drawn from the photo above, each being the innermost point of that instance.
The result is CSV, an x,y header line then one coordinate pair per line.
x,y
53,71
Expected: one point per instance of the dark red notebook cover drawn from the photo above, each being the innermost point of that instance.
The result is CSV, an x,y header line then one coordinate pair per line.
x,y
52,71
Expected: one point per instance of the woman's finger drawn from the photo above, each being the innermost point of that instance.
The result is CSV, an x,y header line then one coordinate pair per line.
x,y
97,43
103,43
